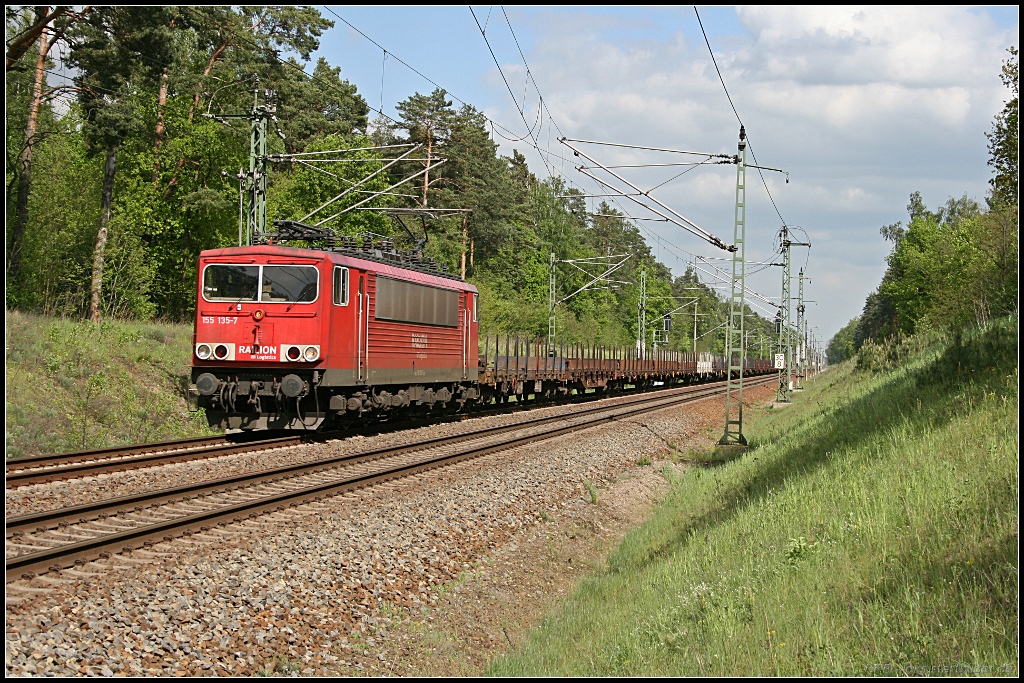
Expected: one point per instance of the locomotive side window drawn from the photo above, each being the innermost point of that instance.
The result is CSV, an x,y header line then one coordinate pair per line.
x,y
340,286
476,298
231,283
411,302
289,284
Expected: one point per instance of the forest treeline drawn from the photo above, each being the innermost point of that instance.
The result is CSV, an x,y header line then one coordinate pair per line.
x,y
953,266
120,175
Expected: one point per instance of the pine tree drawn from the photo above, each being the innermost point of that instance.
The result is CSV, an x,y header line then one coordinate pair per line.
x,y
119,51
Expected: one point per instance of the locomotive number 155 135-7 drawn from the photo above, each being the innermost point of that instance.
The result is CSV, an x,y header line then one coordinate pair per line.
x,y
220,320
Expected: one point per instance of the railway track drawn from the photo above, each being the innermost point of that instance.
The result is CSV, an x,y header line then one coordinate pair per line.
x,y
58,539
64,466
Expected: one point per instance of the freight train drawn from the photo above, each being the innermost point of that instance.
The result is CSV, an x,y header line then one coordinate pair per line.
x,y
309,338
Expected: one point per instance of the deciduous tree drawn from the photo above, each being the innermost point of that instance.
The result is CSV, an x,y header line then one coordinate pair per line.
x,y
1003,141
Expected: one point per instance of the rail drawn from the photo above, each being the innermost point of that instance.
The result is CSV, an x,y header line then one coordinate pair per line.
x,y
63,466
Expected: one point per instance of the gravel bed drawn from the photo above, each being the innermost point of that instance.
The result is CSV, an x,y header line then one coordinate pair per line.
x,y
87,529
318,589
497,605
58,494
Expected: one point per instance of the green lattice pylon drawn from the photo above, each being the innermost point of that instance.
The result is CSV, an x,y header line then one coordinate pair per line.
x,y
552,302
784,394
256,224
252,226
733,434
801,345
641,322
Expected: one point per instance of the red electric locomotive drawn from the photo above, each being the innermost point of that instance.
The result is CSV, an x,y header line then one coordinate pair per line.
x,y
286,337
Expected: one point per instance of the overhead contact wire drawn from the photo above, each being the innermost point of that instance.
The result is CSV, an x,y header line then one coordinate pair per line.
x,y
737,114
522,115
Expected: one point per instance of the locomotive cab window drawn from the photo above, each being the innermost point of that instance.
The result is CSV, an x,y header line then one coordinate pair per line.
x,y
231,283
340,286
289,284
475,301
266,284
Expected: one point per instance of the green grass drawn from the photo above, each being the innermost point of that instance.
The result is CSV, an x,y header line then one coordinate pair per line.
x,y
72,385
871,529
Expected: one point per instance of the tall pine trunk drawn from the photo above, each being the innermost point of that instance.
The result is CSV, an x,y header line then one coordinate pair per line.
x,y
173,183
25,164
101,237
464,231
161,106
426,175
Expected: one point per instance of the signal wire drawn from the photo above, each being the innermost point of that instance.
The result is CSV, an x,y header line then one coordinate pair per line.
x,y
658,240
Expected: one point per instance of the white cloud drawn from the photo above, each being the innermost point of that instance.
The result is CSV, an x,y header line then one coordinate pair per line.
x,y
863,105
918,46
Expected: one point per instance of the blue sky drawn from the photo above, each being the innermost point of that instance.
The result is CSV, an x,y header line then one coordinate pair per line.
x,y
861,105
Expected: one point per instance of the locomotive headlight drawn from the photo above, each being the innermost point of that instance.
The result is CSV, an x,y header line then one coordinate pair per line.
x,y
257,315
220,351
294,353
311,353
203,351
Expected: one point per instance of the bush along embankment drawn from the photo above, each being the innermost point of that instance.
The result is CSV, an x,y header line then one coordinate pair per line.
x,y
872,528
73,385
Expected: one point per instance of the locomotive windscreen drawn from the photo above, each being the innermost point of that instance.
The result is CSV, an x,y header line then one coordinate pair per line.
x,y
410,302
278,284
231,283
290,283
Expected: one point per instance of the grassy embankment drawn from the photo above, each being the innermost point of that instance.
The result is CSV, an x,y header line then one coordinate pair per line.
x,y
72,385
871,529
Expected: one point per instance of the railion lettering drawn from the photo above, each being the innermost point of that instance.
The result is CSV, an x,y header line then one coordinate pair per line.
x,y
258,350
